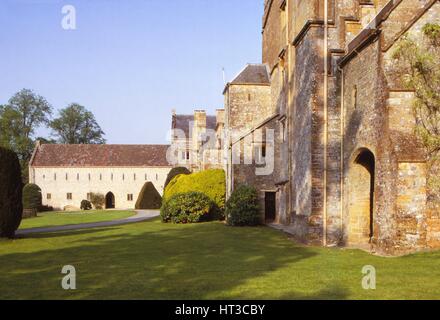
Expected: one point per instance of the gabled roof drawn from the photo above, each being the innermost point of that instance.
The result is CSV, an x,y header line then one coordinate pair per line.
x,y
100,155
253,74
183,122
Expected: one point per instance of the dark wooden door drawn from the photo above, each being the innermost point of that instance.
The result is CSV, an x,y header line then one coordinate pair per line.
x,y
270,206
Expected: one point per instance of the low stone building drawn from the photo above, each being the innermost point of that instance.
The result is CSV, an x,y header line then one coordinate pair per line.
x,y
68,174
348,168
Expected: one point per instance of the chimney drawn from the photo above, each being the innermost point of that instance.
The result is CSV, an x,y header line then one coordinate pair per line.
x,y
200,118
220,116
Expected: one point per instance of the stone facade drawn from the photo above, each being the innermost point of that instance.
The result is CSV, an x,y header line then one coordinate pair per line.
x,y
348,169
67,174
197,140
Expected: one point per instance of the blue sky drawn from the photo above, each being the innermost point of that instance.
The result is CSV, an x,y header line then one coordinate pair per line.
x,y
129,61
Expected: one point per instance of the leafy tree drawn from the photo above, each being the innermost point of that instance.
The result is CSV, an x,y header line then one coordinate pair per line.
x,y
32,198
77,125
24,113
419,69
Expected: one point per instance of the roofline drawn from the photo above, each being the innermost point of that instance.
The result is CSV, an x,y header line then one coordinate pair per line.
x,y
245,84
229,83
34,152
94,167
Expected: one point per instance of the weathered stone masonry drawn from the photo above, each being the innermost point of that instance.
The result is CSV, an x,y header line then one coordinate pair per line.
x,y
349,170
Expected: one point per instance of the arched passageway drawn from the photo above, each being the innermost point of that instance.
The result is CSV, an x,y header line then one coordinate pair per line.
x,y
110,201
361,199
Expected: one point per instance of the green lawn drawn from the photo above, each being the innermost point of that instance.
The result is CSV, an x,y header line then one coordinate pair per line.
x,y
50,219
152,260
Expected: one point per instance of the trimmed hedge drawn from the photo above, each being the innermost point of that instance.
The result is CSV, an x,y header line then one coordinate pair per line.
x,y
11,205
86,205
189,207
174,173
149,197
32,198
212,183
242,208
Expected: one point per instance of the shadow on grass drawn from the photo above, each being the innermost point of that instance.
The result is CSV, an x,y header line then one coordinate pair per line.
x,y
157,261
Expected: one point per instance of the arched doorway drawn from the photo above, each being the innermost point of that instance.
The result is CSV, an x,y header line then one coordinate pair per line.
x,y
110,201
361,199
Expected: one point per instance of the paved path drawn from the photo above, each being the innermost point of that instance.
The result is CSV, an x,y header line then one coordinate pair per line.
x,y
141,215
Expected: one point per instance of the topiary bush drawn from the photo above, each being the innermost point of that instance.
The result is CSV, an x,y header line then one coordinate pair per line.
x,y
98,200
11,205
86,205
189,207
149,197
212,183
32,198
242,208
174,173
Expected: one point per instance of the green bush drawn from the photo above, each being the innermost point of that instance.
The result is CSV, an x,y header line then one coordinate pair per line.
x,y
242,208
45,208
174,173
11,205
98,200
86,205
32,198
149,197
189,207
210,182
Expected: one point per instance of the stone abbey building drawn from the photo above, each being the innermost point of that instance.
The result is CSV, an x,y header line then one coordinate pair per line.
x,y
68,174
322,128
348,168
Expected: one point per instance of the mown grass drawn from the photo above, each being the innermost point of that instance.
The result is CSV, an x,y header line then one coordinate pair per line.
x,y
51,219
152,260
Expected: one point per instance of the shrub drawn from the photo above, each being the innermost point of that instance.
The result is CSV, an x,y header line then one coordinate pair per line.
x,y
45,208
174,173
210,182
98,200
86,205
149,197
242,208
11,205
189,207
32,198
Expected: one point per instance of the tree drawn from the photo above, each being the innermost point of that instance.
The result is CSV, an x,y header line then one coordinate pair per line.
x,y
419,70
32,198
76,125
175,172
24,113
98,200
11,207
